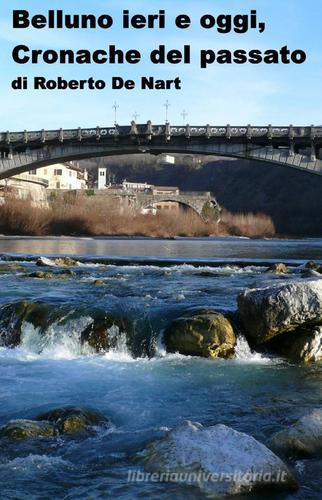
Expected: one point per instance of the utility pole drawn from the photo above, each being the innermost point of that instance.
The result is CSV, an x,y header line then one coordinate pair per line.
x,y
184,115
167,106
115,107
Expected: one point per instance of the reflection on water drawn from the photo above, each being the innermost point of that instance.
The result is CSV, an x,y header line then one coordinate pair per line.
x,y
205,248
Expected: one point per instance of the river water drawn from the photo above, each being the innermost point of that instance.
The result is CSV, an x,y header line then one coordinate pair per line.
x,y
140,388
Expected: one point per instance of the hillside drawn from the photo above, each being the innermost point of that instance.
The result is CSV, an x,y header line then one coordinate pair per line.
x,y
292,198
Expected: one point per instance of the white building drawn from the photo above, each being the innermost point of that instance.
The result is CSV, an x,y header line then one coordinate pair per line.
x,y
25,186
165,159
101,183
135,186
62,176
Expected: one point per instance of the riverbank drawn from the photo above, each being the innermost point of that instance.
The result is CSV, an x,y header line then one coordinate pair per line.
x,y
95,218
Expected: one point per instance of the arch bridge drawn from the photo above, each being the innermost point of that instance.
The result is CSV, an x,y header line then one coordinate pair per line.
x,y
203,203
295,147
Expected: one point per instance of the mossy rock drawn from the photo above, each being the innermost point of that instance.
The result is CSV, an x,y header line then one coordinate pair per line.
x,y
11,319
27,429
207,334
103,333
278,268
41,275
70,419
65,261
96,334
39,315
46,275
11,268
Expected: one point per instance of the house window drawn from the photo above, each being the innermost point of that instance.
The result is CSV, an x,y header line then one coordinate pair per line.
x,y
32,172
58,171
57,185
45,171
70,173
102,174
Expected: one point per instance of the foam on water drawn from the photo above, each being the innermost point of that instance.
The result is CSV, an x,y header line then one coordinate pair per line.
x,y
61,341
119,351
245,354
36,462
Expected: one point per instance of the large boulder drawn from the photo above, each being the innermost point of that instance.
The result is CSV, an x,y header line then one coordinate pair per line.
x,y
272,310
72,419
218,459
207,334
27,429
13,316
303,439
304,346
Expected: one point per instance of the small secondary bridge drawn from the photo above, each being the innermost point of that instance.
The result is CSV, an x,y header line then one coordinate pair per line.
x,y
296,147
203,202
195,201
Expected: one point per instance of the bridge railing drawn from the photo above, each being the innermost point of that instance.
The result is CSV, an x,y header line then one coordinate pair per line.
x,y
101,133
196,193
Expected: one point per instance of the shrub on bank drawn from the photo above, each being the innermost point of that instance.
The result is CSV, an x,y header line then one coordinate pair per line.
x,y
88,216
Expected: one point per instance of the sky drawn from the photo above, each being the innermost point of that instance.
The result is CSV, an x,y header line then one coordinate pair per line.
x,y
221,94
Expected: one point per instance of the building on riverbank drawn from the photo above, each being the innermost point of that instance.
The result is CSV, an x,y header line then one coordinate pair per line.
x,y
36,184
25,186
63,176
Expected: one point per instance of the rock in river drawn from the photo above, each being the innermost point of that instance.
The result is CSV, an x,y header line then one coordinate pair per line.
x,y
304,346
11,319
208,334
67,420
11,267
27,429
60,261
219,460
41,275
270,311
15,314
279,268
73,419
304,438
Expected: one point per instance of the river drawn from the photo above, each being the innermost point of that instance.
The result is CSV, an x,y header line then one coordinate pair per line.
x,y
137,385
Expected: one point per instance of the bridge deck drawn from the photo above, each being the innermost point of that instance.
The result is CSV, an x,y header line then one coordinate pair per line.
x,y
297,147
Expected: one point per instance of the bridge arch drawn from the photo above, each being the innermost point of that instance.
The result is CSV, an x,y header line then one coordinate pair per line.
x,y
296,147
182,200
